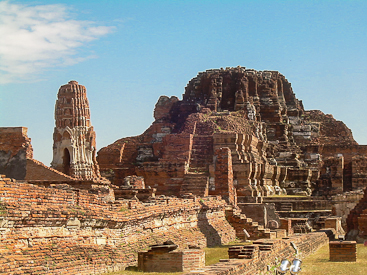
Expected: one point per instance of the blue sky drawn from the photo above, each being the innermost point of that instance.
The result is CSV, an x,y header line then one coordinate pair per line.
x,y
128,53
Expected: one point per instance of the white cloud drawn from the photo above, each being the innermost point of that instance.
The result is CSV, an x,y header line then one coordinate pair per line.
x,y
33,38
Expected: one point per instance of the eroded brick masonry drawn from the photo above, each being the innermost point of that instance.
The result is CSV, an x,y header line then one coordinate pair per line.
x,y
216,166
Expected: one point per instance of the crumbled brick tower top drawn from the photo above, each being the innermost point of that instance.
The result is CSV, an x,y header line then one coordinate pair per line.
x,y
265,96
74,149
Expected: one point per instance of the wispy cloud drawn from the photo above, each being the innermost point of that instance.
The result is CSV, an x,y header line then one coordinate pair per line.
x,y
33,38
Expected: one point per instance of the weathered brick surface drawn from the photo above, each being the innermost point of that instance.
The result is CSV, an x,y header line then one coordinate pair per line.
x,y
240,223
74,149
173,261
356,220
60,229
277,146
344,203
224,175
36,170
344,251
15,148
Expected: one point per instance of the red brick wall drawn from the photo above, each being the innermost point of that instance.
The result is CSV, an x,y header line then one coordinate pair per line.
x,y
224,175
71,231
38,171
345,251
174,261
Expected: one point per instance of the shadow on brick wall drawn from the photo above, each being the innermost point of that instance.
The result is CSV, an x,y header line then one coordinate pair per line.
x,y
211,234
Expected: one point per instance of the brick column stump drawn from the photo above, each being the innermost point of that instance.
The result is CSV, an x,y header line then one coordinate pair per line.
x,y
343,251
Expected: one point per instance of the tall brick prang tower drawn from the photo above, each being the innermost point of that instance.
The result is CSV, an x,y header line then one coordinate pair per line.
x,y
74,149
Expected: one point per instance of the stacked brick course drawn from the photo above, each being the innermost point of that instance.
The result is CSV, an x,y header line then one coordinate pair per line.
x,y
345,251
224,175
276,145
58,229
357,219
174,261
36,170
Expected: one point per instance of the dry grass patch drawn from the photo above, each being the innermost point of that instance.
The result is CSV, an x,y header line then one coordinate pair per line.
x,y
319,264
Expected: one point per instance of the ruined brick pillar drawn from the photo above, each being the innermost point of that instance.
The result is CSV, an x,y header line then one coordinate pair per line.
x,y
344,251
74,149
224,175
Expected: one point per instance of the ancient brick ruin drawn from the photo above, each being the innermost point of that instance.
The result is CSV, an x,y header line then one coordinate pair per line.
x,y
216,166
276,145
345,251
165,258
74,149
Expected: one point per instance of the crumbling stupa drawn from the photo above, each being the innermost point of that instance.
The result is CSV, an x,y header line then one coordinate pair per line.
x,y
276,145
74,149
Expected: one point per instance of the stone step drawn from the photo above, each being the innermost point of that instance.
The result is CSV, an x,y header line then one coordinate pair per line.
x,y
240,222
197,184
201,153
286,206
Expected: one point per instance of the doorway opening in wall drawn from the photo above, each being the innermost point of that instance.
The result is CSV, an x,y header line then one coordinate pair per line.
x,y
66,162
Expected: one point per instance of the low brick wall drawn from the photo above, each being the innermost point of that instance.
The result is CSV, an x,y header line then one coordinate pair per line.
x,y
36,170
50,230
268,253
174,261
344,251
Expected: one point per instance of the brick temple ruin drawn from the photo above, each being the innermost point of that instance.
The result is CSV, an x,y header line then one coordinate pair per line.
x,y
74,138
237,157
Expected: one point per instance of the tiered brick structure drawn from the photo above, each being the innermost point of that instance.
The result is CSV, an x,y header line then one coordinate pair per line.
x,y
237,135
276,145
74,149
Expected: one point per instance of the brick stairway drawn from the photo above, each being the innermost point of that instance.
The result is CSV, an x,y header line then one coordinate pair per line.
x,y
201,154
286,206
196,184
264,246
240,221
243,252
